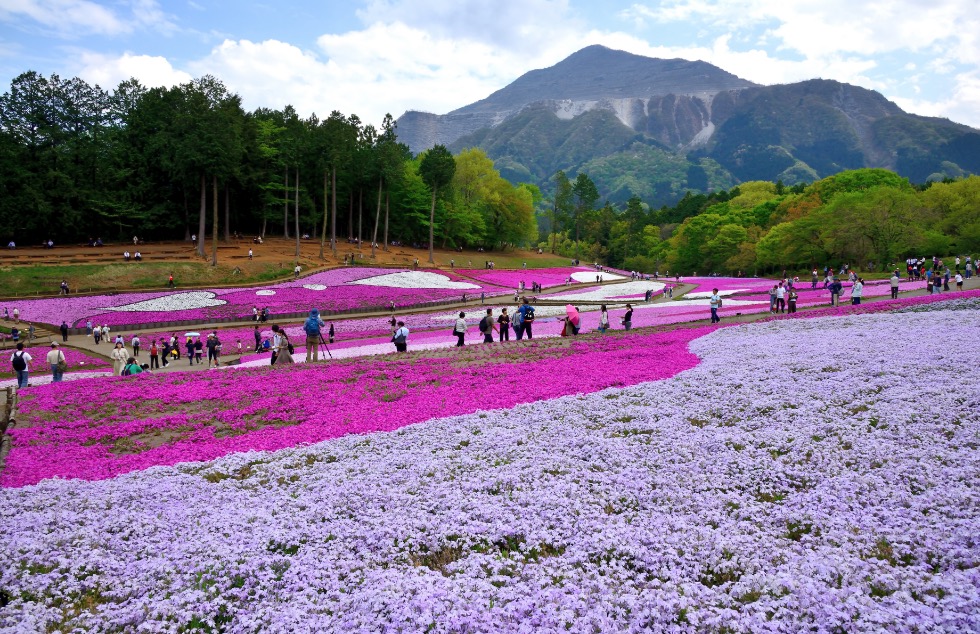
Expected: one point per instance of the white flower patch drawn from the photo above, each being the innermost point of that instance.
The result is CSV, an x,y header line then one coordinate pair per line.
x,y
683,304
169,303
315,287
720,293
265,293
600,293
414,279
589,276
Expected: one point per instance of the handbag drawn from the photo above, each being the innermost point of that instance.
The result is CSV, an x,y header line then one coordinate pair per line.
x,y
62,364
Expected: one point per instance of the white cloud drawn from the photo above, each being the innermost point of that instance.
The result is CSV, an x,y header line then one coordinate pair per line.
x,y
962,106
107,71
74,18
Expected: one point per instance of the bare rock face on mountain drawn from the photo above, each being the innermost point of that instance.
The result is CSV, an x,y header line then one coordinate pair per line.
x,y
640,90
657,128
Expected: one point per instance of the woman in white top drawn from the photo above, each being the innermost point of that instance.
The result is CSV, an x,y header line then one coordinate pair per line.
x,y
603,319
459,329
53,358
119,355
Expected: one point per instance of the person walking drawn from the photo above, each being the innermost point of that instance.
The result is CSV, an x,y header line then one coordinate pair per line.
x,y
312,327
459,329
21,362
487,326
135,342
249,254
189,345
856,291
628,317
893,282
97,335
527,318
715,303
88,328
199,350
284,355
119,356
400,337
212,345
64,330
56,359
258,338
296,272
503,325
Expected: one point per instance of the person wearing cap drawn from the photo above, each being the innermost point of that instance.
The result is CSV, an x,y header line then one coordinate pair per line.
x,y
54,357
715,303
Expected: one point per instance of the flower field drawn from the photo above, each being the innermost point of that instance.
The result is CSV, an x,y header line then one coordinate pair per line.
x,y
336,289
796,479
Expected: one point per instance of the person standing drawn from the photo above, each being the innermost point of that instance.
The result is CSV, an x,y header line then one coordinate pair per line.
x,y
715,303
331,332
135,342
856,291
97,335
503,325
487,326
603,319
400,337
199,350
527,318
119,357
64,330
16,315
249,254
154,355
895,279
64,287
312,328
211,344
628,317
21,362
791,300
258,338
780,299
283,354
190,350
814,278
959,282
835,289
170,281
88,328
56,359
296,272
459,329
518,324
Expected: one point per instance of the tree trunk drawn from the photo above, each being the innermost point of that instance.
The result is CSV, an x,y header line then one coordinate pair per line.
x,y
296,218
432,222
350,215
377,218
333,211
285,205
227,215
387,207
214,220
360,215
202,216
326,210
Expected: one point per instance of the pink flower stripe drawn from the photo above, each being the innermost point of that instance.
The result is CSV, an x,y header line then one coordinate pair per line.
x,y
165,419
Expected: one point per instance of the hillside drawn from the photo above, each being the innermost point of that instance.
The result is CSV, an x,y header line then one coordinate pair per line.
x,y
657,128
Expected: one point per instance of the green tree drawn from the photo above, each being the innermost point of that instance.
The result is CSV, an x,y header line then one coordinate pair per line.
x,y
437,169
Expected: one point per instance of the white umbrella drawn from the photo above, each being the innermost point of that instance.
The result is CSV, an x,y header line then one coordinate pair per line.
x,y
192,334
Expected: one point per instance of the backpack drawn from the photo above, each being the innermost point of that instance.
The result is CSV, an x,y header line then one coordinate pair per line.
x,y
126,371
311,327
485,325
19,364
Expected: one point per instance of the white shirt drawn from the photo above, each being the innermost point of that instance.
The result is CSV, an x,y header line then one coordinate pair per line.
x,y
27,356
54,356
460,325
716,299
780,293
402,331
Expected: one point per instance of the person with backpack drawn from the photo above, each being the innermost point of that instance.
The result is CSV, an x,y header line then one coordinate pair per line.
x,y
64,330
132,368
154,355
527,318
312,327
20,360
214,348
487,326
135,342
518,324
56,359
400,337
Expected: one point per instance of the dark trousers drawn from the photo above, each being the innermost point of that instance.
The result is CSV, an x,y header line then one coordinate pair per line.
x,y
894,292
460,339
714,316
488,337
504,332
527,330
154,362
136,350
780,305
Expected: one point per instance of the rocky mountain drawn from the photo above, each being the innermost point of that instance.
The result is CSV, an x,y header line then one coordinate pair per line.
x,y
657,128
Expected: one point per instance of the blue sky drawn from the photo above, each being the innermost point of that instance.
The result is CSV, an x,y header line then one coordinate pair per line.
x,y
370,57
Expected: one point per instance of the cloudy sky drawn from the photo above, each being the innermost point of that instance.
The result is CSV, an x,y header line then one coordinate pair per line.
x,y
370,57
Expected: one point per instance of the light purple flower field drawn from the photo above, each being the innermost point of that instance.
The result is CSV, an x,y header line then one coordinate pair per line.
x,y
809,475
